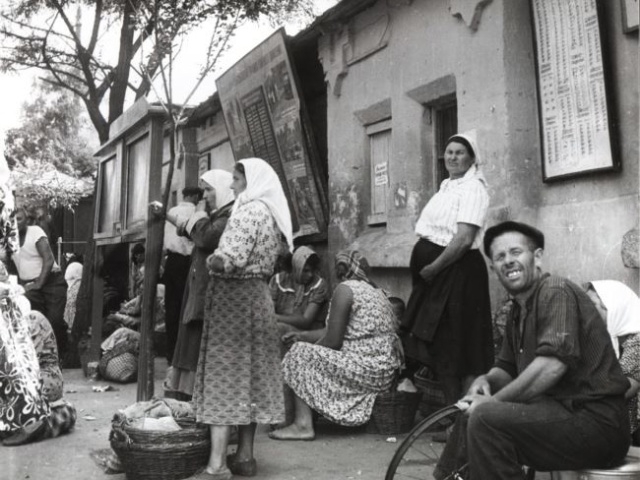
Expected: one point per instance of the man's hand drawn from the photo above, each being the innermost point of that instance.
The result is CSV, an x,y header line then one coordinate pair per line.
x,y
470,402
155,208
480,386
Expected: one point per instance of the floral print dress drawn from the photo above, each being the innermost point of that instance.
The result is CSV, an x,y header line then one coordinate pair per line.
x,y
21,399
342,384
238,380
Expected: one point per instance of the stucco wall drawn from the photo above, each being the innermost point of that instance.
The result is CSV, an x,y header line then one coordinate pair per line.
x,y
585,218
493,74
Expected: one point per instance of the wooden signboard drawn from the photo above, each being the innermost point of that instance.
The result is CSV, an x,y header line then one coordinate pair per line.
x,y
263,113
575,119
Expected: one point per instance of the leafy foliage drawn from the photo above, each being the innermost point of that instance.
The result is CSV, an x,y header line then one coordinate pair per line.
x,y
51,35
51,158
38,184
53,132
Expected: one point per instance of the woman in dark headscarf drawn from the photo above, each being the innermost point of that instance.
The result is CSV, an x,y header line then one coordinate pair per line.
x,y
358,357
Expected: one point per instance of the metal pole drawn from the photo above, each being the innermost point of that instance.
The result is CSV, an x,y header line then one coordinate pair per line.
x,y
60,252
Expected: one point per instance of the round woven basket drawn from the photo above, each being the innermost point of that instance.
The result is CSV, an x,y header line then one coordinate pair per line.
x,y
154,455
432,395
393,412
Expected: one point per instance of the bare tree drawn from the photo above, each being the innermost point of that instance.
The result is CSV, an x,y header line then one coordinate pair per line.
x,y
221,32
50,36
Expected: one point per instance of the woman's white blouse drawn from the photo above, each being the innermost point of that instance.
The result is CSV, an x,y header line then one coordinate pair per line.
x,y
464,200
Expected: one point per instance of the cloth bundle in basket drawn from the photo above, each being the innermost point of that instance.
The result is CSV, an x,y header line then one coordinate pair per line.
x,y
432,394
120,362
394,412
156,455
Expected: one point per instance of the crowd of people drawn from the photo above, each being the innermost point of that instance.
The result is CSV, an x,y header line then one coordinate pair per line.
x,y
281,349
256,336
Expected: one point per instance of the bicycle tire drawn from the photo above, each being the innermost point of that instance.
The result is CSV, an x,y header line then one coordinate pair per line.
x,y
400,462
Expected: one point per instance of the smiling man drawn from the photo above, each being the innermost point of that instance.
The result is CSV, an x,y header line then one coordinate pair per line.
x,y
554,399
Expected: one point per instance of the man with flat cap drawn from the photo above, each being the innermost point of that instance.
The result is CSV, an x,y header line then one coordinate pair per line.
x,y
554,399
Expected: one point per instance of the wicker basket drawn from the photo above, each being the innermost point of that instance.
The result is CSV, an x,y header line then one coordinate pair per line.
x,y
154,455
393,412
432,394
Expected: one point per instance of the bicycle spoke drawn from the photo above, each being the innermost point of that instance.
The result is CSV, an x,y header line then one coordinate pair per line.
x,y
419,454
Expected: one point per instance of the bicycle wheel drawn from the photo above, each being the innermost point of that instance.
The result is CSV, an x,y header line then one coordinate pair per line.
x,y
418,454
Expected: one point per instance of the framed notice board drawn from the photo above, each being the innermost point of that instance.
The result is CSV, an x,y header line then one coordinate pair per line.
x,y
263,111
575,118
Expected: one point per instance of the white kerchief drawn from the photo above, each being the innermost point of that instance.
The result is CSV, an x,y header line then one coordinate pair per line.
x,y
623,309
264,185
470,136
220,180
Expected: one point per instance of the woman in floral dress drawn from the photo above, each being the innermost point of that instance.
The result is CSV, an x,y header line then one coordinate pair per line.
x,y
340,375
238,380
29,411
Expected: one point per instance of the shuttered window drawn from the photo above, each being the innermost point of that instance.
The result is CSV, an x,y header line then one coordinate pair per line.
x,y
379,161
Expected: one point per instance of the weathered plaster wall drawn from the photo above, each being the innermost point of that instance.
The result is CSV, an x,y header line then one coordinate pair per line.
x,y
493,76
426,43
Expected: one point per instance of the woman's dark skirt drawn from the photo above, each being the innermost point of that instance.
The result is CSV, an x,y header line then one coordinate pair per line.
x,y
447,323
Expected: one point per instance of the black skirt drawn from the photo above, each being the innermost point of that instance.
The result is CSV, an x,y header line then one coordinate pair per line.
x,y
447,323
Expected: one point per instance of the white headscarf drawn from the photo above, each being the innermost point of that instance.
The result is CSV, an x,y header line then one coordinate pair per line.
x,y
220,180
470,137
623,309
73,273
264,185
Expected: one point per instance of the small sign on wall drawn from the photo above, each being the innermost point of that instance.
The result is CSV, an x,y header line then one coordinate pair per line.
x,y
381,177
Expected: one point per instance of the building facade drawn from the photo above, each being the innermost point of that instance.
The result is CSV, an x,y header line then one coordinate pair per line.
x,y
403,75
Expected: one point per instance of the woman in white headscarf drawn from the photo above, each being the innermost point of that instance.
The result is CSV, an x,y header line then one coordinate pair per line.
x,y
619,307
204,228
447,323
239,379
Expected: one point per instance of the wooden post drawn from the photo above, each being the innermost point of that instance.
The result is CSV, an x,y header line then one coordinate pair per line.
x,y
152,261
95,307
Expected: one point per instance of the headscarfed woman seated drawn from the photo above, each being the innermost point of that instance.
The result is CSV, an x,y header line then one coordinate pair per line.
x,y
358,357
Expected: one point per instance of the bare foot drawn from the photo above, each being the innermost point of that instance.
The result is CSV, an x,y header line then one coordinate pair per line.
x,y
293,432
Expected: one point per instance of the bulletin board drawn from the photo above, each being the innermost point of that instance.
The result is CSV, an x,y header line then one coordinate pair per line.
x,y
575,117
263,113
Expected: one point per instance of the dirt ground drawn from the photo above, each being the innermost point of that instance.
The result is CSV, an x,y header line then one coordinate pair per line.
x,y
336,454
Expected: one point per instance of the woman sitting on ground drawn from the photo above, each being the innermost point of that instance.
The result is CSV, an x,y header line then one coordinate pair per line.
x,y
358,357
42,412
619,307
